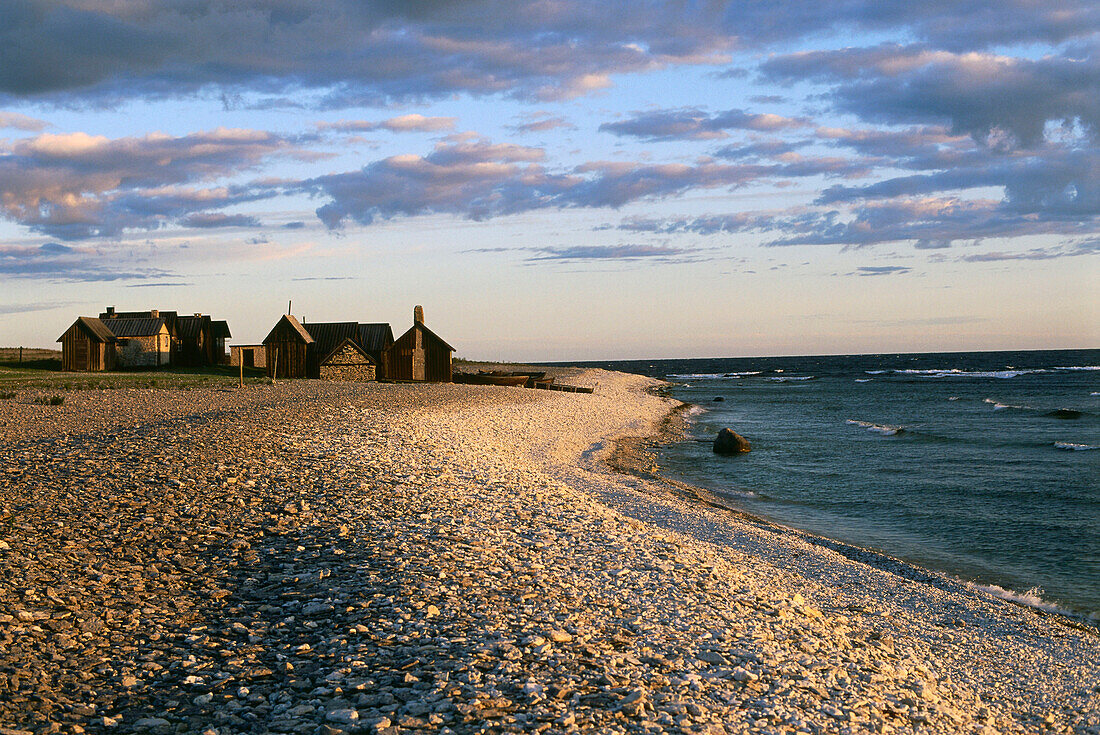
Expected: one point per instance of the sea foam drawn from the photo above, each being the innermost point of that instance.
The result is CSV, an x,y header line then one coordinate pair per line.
x,y
1071,447
1032,598
876,428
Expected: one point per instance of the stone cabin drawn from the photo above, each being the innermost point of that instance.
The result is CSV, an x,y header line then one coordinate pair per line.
x,y
348,361
196,341
141,342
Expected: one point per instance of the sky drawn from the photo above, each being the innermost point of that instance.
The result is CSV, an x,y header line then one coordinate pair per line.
x,y
560,179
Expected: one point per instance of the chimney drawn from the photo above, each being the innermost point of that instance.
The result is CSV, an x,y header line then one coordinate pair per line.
x,y
155,313
110,312
418,314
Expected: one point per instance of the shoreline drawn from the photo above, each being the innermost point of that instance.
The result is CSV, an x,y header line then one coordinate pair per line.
x,y
338,558
635,455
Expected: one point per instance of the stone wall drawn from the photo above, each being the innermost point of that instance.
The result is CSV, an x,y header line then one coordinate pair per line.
x,y
143,351
347,363
259,355
362,372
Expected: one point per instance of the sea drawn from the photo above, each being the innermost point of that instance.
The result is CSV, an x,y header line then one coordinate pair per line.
x,y
981,465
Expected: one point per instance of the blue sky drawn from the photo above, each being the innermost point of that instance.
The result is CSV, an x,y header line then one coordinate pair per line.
x,y
559,179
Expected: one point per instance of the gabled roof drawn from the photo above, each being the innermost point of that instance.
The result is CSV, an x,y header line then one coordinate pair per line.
x,y
169,317
190,326
133,327
329,334
430,333
95,328
294,324
375,337
221,329
347,341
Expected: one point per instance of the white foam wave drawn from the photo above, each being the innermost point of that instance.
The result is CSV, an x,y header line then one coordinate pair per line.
x,y
791,378
1079,367
713,376
1071,447
1032,598
695,410
876,428
957,373
863,380
997,406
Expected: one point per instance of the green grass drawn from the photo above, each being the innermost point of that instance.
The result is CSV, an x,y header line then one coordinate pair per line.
x,y
45,372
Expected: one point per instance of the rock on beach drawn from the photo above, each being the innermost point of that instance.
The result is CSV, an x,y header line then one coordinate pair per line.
x,y
335,558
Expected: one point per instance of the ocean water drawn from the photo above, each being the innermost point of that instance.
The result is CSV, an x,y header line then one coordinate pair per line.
x,y
984,465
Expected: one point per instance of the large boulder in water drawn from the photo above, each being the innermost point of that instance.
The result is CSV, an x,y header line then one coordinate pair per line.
x,y
730,442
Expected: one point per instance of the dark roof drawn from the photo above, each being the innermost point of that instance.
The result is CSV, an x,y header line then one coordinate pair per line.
x,y
221,329
133,327
169,317
328,335
430,333
375,337
94,327
295,325
348,341
190,326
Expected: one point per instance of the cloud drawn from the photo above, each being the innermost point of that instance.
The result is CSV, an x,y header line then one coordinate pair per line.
x,y
77,186
210,220
403,124
881,270
609,252
542,122
54,261
692,123
997,99
30,308
17,121
355,52
1088,247
480,180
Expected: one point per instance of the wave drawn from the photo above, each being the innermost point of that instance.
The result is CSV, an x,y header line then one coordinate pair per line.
x,y
1071,447
863,380
791,378
1032,598
877,428
713,376
1006,373
998,406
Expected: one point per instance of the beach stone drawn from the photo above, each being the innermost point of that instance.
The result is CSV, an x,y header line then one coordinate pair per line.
x,y
730,442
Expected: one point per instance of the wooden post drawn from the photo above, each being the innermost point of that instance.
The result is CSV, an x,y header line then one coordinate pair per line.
x,y
240,359
20,354
275,369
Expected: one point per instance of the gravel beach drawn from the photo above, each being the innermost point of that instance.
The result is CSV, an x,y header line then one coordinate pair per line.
x,y
371,558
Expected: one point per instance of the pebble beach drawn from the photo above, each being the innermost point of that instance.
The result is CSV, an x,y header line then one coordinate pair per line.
x,y
327,558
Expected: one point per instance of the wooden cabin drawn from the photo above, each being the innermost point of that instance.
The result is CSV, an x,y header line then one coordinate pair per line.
x,y
220,332
348,361
376,339
287,349
419,354
87,346
140,342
